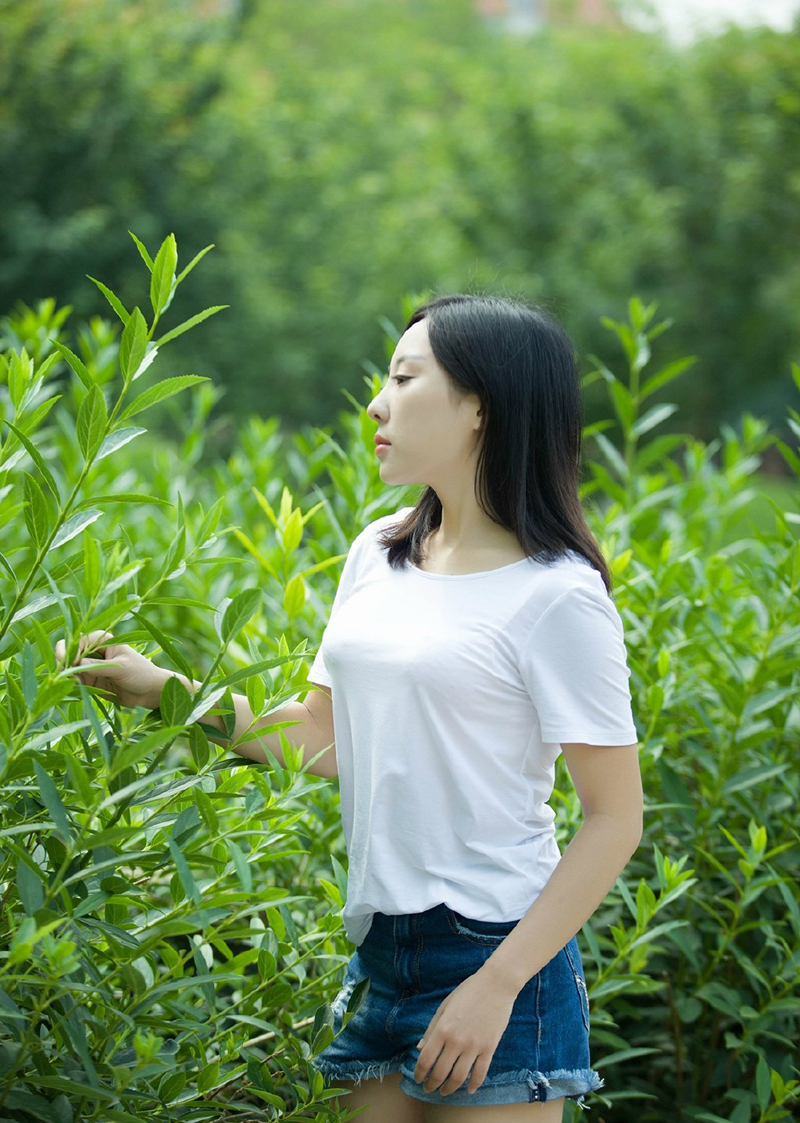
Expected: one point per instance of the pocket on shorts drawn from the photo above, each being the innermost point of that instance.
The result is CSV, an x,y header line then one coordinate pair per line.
x,y
485,932
576,967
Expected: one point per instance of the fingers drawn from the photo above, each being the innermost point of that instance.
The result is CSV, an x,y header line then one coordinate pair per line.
x,y
94,641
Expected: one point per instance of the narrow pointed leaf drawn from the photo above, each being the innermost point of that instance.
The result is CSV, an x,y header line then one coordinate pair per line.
x,y
37,511
132,345
52,801
163,278
116,440
74,525
159,392
146,258
91,422
75,363
194,262
187,324
36,457
112,299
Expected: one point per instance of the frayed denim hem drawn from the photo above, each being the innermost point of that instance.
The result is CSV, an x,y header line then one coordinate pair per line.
x,y
524,1086
357,1070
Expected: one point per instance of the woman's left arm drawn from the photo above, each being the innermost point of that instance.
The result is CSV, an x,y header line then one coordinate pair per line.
x,y
609,786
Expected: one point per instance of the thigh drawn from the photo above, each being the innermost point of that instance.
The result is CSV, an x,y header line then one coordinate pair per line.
x,y
382,1100
496,1113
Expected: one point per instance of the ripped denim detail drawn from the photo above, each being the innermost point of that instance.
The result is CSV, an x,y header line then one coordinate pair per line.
x,y
357,1070
523,1086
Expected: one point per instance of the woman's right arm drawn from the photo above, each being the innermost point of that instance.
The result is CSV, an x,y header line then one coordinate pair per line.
x,y
314,729
134,681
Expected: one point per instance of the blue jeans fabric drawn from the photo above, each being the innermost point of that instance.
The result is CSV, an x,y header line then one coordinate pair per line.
x,y
413,962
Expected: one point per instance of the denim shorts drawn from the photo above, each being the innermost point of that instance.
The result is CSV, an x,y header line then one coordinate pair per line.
x,y
413,962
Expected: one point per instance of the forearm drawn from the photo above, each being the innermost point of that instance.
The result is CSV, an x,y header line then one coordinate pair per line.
x,y
253,748
589,866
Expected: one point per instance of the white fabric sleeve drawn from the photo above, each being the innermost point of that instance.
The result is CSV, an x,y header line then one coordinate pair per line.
x,y
574,665
318,672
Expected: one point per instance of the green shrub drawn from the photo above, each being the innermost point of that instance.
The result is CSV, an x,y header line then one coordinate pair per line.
x,y
170,940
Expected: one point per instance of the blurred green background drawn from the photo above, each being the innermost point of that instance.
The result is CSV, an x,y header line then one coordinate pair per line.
x,y
341,154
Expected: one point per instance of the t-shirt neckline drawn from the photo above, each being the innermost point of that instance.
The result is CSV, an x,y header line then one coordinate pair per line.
x,y
467,576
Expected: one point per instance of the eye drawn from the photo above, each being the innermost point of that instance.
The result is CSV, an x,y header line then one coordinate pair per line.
x,y
401,378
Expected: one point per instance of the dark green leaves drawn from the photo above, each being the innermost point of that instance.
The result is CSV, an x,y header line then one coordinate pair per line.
x,y
52,801
38,513
92,422
239,611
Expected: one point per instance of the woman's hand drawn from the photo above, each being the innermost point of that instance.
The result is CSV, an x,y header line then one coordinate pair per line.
x,y
463,1034
128,677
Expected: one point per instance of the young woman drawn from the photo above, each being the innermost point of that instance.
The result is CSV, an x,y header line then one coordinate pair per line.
x,y
471,640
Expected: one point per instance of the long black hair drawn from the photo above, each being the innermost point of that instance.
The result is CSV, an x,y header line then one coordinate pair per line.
x,y
522,365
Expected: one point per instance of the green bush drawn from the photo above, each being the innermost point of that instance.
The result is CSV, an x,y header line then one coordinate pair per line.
x,y
170,936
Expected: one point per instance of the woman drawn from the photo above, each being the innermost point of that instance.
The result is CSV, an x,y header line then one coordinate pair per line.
x,y
472,639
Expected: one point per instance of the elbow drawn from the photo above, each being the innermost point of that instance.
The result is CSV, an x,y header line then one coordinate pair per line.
x,y
627,829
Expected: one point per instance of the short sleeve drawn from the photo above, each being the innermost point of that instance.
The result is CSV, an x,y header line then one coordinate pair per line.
x,y
318,672
574,665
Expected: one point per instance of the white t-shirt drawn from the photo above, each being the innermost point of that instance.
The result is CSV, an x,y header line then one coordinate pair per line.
x,y
451,697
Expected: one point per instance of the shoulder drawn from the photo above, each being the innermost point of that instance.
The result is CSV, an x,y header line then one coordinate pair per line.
x,y
572,578
568,596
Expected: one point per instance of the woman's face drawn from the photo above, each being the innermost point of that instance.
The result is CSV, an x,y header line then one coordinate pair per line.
x,y
431,437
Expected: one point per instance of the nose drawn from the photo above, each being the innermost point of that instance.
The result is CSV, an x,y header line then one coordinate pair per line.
x,y
372,409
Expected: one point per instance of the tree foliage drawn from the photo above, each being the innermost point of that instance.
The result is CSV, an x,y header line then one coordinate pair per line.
x,y
342,154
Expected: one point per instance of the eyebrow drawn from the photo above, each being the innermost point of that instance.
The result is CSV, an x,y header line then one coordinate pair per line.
x,y
409,359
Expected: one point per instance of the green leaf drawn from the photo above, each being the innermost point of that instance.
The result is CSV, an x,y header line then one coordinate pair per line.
x,y
243,871
92,422
166,645
162,282
176,702
28,676
146,258
132,345
137,750
127,497
112,299
36,457
52,801
74,525
654,416
159,391
6,564
184,873
208,1077
29,886
256,693
116,440
197,257
241,609
76,363
294,596
37,511
187,324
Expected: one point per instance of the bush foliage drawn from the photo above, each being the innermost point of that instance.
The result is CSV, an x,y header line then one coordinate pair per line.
x,y
170,934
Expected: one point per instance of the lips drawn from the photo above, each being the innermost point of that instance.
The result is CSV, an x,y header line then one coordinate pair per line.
x,y
380,441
